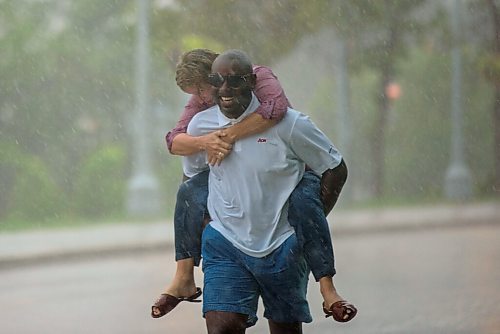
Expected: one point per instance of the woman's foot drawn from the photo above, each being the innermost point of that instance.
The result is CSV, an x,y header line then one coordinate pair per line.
x,y
333,304
182,287
330,297
341,311
177,291
167,303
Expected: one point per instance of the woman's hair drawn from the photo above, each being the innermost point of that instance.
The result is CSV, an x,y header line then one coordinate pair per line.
x,y
194,67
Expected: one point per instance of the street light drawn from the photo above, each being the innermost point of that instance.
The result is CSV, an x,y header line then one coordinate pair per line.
x,y
343,105
458,178
143,190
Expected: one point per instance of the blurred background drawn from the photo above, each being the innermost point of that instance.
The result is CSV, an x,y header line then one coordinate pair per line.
x,y
408,90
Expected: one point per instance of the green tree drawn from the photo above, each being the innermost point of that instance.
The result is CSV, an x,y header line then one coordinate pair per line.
x,y
388,26
28,189
100,186
69,70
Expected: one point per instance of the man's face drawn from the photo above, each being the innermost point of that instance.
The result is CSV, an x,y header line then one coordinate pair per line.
x,y
233,88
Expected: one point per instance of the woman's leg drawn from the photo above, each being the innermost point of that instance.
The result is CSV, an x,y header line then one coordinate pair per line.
x,y
306,215
190,211
189,215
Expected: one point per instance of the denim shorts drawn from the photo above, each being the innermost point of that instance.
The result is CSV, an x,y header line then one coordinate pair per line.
x,y
233,281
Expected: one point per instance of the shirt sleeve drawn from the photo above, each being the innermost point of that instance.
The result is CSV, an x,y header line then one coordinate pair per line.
x,y
193,107
312,146
196,163
273,101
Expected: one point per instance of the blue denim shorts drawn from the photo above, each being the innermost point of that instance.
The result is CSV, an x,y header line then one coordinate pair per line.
x,y
233,281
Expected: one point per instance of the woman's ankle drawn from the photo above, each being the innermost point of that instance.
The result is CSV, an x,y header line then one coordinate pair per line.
x,y
326,285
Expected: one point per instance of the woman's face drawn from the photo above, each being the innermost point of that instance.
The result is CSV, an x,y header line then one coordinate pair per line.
x,y
204,92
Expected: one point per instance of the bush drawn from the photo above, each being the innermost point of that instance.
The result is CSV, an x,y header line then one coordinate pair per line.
x,y
28,190
101,184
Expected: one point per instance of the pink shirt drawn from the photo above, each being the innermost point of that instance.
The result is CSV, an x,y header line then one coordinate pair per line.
x,y
273,102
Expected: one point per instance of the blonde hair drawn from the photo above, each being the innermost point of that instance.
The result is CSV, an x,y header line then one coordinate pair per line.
x,y
194,67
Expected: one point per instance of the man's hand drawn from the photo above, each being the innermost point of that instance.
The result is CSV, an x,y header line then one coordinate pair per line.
x,y
332,182
217,149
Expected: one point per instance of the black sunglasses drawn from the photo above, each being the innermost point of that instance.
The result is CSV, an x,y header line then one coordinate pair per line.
x,y
233,81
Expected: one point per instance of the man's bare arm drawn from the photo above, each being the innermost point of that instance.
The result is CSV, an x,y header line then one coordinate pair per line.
x,y
332,182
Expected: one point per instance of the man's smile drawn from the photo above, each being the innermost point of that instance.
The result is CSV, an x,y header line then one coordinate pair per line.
x,y
227,102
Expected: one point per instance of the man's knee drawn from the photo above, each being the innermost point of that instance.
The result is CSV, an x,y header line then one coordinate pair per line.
x,y
225,322
285,328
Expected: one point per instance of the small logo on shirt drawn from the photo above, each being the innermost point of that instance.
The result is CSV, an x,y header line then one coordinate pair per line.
x,y
262,140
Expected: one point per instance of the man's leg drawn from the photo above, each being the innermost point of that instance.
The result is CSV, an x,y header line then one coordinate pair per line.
x,y
285,328
190,210
226,322
231,293
283,277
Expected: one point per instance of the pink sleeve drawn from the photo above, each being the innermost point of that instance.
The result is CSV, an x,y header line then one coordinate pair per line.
x,y
273,101
193,107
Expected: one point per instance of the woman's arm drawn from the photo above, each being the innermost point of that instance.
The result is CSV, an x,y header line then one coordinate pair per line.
x,y
184,144
179,143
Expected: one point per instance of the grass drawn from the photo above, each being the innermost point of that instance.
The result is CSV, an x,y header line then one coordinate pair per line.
x,y
15,225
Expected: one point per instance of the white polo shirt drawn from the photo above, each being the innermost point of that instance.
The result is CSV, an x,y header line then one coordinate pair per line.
x,y
249,191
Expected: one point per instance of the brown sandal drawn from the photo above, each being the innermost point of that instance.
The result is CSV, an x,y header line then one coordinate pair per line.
x,y
341,311
167,303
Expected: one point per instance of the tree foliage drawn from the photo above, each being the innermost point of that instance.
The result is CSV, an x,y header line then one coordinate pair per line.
x,y
67,87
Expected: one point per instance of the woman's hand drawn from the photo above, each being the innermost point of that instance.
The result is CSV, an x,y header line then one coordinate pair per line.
x,y
217,149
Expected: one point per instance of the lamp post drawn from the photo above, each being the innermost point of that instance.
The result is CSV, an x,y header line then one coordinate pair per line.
x,y
458,178
143,189
343,105
343,98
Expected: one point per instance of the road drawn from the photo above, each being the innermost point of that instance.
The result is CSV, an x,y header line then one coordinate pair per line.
x,y
424,281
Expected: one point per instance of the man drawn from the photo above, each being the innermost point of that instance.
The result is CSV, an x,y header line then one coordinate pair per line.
x,y
250,249
306,212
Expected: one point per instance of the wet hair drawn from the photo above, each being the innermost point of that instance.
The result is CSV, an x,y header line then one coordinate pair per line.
x,y
194,67
238,58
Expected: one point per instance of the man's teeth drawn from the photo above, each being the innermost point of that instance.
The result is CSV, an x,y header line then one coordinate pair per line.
x,y
226,99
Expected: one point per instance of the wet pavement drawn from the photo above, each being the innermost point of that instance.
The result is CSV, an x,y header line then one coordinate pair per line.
x,y
435,280
408,270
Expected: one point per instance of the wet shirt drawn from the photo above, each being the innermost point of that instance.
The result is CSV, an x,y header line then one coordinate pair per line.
x,y
248,192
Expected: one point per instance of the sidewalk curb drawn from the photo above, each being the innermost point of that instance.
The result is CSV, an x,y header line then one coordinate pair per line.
x,y
397,219
21,248
32,247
